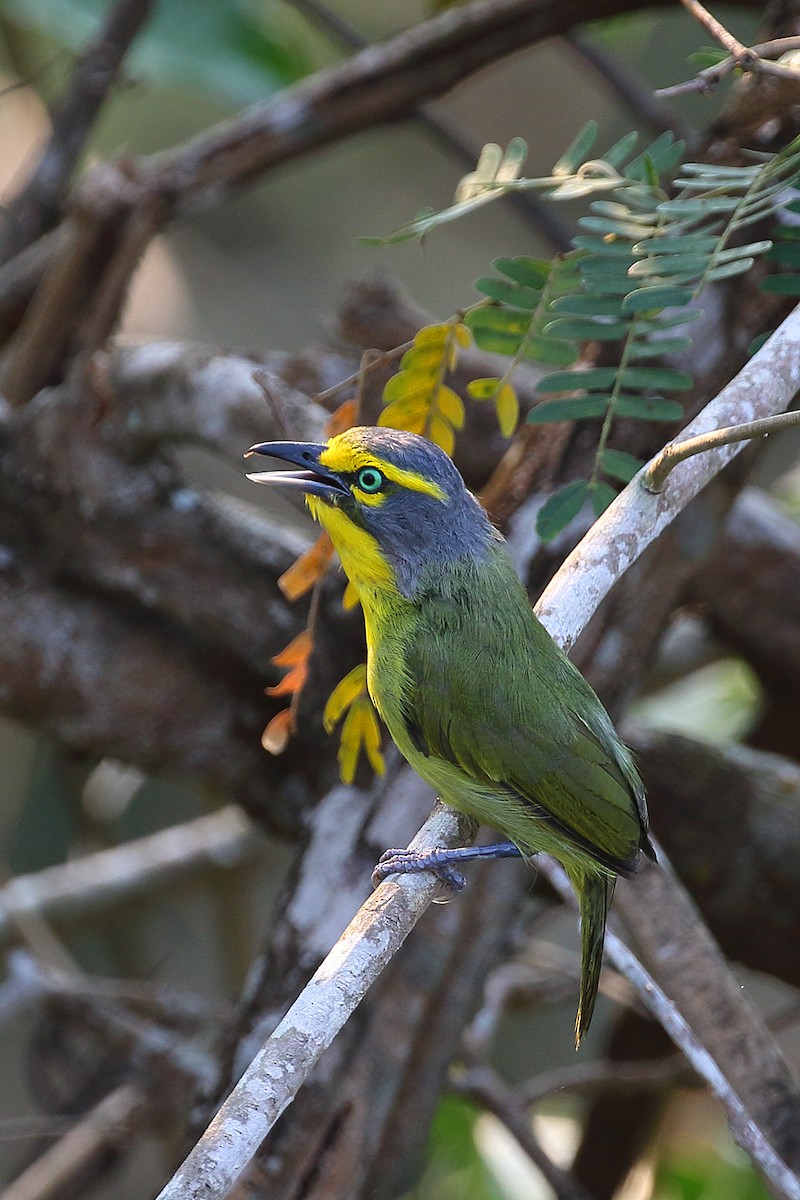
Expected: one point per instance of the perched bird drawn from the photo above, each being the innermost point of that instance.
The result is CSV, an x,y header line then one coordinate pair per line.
x,y
473,690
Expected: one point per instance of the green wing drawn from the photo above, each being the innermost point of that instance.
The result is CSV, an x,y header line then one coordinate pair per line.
x,y
511,712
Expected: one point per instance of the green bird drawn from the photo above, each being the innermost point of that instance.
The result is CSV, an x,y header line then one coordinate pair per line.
x,y
473,690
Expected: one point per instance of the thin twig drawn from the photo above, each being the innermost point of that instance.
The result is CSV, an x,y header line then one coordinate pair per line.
x,y
657,470
607,1076
756,58
715,28
484,1086
106,1125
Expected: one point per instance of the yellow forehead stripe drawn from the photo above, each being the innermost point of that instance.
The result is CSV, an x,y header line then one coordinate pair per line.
x,y
345,458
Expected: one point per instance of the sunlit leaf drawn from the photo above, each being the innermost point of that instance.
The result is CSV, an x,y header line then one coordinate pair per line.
x,y
482,389
360,729
450,405
507,408
350,597
462,335
410,414
441,434
346,691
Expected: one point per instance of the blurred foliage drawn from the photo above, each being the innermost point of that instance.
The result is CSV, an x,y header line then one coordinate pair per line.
x,y
239,51
454,1169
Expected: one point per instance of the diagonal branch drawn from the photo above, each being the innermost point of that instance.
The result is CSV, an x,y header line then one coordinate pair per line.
x,y
36,207
765,385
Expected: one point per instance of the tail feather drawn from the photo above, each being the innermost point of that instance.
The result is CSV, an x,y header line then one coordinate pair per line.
x,y
594,893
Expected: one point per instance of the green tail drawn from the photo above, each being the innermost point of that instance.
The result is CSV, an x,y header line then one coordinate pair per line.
x,y
594,893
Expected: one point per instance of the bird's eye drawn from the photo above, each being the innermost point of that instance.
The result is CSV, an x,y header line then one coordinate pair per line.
x,y
370,480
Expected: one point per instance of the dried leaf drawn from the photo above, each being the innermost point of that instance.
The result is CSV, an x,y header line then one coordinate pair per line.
x,y
275,737
344,417
308,568
291,682
297,651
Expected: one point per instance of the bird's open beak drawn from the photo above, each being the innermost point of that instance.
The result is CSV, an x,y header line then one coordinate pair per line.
x,y
311,478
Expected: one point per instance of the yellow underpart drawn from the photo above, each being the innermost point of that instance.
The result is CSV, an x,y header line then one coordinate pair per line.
x,y
362,559
345,457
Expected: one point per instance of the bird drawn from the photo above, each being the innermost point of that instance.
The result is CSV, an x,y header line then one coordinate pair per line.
x,y
474,692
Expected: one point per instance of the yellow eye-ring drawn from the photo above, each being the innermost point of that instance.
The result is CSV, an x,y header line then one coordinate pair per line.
x,y
370,480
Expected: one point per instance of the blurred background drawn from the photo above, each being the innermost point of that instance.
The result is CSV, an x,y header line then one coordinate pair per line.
x,y
266,270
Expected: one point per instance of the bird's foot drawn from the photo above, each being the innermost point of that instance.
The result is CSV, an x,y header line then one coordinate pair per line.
x,y
406,862
439,861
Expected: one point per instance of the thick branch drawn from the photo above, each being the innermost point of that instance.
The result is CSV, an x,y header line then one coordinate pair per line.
x,y
765,385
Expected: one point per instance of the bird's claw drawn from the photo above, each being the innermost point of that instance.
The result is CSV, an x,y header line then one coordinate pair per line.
x,y
407,862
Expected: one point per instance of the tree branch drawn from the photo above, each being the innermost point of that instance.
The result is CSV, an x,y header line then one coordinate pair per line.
x,y
765,385
225,838
37,206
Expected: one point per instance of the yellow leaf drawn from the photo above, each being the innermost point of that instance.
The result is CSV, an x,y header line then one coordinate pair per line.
x,y
422,358
483,389
432,335
463,336
309,567
350,597
343,695
360,730
450,405
408,414
350,742
371,735
442,434
275,737
343,418
298,649
409,384
507,406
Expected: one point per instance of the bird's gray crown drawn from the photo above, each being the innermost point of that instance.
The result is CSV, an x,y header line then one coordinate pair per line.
x,y
418,532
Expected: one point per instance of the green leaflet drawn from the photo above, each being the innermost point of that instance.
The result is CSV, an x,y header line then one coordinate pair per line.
x,y
560,508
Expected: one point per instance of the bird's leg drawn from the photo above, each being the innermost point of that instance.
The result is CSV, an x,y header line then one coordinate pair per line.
x,y
404,862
